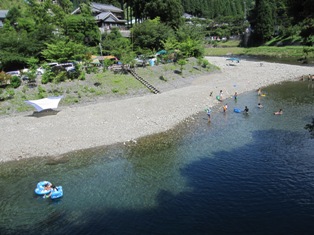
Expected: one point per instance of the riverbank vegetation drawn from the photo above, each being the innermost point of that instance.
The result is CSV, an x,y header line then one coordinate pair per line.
x,y
37,32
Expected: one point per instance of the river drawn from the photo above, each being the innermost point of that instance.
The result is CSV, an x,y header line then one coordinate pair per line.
x,y
240,174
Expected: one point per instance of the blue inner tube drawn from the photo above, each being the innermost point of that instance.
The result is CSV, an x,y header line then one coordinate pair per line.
x,y
57,193
236,110
40,190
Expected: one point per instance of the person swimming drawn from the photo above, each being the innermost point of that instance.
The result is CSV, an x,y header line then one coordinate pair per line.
x,y
53,189
259,105
278,112
47,186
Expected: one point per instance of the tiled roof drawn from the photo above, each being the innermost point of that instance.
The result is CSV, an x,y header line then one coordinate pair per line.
x,y
108,16
98,7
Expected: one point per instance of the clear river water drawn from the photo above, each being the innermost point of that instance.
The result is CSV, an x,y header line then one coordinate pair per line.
x,y
240,174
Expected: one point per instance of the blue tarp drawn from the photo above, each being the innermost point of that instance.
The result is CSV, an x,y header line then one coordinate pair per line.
x,y
234,59
162,52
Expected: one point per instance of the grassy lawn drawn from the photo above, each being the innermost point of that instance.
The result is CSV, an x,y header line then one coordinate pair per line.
x,y
222,51
269,51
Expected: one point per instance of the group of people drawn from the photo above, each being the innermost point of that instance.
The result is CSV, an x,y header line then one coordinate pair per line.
x,y
246,109
260,93
50,187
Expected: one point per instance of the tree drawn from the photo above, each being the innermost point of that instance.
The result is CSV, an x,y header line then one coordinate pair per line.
x,y
192,48
263,24
169,11
115,44
81,29
13,14
15,48
150,34
64,51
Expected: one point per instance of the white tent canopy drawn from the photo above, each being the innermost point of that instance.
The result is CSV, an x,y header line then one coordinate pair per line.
x,y
46,103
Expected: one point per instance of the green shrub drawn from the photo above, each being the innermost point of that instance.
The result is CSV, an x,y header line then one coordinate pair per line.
x,y
60,77
15,82
4,78
41,92
10,93
205,63
44,79
182,62
82,76
114,90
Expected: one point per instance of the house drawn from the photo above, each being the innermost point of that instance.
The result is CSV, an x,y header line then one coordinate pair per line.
x,y
107,17
3,14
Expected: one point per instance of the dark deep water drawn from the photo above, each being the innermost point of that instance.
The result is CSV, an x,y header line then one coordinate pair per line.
x,y
241,174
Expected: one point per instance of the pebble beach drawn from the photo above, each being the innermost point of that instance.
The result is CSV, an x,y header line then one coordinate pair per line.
x,y
103,123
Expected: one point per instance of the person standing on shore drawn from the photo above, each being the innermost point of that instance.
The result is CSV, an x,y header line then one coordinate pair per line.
x,y
235,96
208,112
259,92
221,95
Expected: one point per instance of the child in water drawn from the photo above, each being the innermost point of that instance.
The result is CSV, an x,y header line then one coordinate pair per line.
x,y
246,110
225,107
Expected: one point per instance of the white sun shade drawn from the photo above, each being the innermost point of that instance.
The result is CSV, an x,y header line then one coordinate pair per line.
x,y
46,103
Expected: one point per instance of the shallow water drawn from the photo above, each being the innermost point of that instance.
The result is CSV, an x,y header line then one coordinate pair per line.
x,y
240,174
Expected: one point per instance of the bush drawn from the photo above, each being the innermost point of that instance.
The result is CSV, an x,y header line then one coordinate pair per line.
x,y
6,94
4,78
41,92
60,77
15,82
44,80
182,62
10,93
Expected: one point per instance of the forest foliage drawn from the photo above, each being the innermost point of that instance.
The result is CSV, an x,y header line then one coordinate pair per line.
x,y
34,31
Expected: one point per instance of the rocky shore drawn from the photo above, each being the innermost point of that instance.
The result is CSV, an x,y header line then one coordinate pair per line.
x,y
108,122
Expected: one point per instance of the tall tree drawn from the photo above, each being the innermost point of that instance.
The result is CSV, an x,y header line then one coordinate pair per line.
x,y
169,11
150,34
263,25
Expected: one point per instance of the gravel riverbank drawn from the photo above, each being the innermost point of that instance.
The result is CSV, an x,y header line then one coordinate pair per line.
x,y
108,122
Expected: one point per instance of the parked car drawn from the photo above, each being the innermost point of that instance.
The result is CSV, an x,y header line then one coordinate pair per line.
x,y
67,66
25,78
25,70
141,61
14,73
41,70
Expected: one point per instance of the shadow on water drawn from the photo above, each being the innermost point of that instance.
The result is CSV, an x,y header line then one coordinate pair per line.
x,y
232,192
